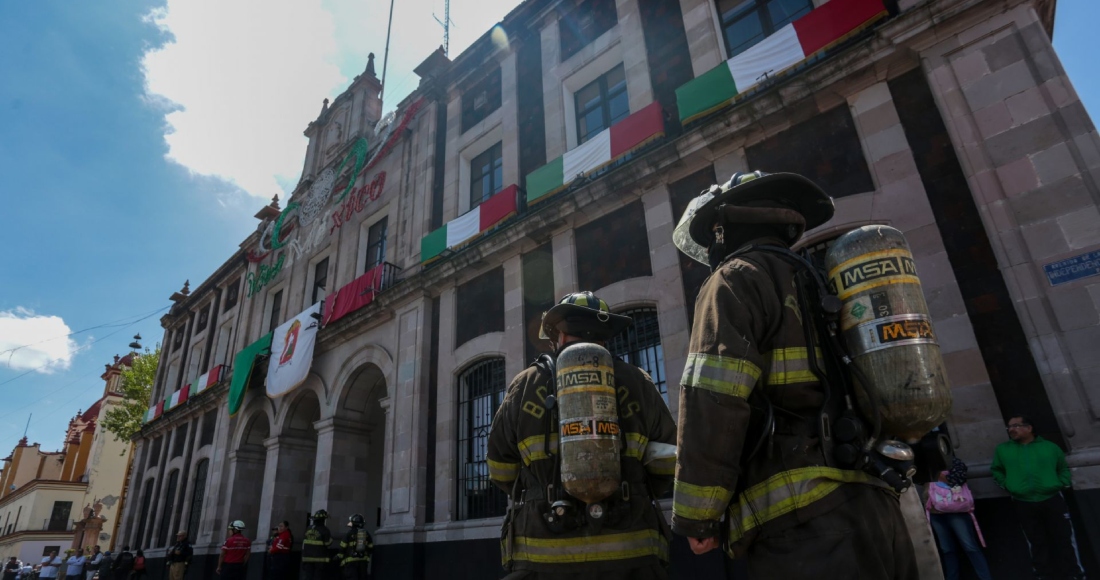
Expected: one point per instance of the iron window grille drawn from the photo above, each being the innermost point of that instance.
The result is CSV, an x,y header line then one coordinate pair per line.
x,y
601,103
747,22
320,279
59,518
196,498
481,391
640,345
376,244
276,311
486,175
166,508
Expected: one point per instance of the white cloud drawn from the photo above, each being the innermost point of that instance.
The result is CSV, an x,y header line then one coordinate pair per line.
x,y
30,341
243,78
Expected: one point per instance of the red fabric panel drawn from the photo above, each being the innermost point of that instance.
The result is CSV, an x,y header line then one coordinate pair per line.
x,y
214,376
498,207
829,23
355,295
159,411
637,128
185,393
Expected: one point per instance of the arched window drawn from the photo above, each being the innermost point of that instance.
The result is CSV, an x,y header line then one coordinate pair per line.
x,y
640,346
480,393
196,499
146,503
166,508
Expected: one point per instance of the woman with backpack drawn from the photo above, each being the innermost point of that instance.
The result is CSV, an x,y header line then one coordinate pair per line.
x,y
950,509
139,566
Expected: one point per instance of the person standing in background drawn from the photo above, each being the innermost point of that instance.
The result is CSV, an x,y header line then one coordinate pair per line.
x,y
278,557
92,565
950,509
74,566
179,556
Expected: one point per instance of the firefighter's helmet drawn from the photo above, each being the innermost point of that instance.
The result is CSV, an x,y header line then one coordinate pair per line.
x,y
693,234
355,521
584,315
320,515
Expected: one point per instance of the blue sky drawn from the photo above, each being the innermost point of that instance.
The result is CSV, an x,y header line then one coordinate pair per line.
x,y
138,138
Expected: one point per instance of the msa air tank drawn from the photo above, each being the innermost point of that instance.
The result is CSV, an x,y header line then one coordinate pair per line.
x,y
589,422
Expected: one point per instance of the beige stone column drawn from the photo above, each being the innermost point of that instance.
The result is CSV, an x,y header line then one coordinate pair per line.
x,y
639,89
701,28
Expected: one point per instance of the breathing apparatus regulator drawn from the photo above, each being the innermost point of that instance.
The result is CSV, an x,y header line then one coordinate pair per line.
x,y
585,405
869,318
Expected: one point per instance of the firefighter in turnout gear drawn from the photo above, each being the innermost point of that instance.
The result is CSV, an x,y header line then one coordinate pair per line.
x,y
315,556
755,472
548,533
355,550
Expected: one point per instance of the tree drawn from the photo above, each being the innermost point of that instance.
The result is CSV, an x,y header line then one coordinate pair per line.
x,y
136,386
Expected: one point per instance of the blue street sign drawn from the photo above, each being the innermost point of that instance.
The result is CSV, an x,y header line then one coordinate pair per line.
x,y
1073,268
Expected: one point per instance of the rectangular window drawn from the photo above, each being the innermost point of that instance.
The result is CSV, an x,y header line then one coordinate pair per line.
x,y
376,244
480,100
154,452
204,317
481,391
538,296
50,549
276,311
197,496
225,334
177,340
179,442
486,175
166,508
747,22
480,306
601,104
59,518
231,292
585,24
209,424
320,280
143,515
613,248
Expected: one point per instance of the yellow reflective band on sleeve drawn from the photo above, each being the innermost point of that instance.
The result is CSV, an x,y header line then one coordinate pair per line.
x,y
635,445
504,472
531,448
697,502
721,374
790,366
584,549
664,466
785,492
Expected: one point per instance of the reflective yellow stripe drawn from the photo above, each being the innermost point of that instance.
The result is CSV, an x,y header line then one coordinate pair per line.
x,y
531,448
591,548
789,366
785,492
635,445
501,471
664,466
721,374
697,502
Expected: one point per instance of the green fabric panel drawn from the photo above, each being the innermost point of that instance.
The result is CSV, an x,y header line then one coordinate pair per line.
x,y
433,244
705,93
544,180
242,370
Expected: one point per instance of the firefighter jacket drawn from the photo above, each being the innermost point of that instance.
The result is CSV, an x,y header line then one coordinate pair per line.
x,y
748,338
348,553
315,544
518,452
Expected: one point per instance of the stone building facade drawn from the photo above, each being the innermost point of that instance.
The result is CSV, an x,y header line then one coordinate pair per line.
x,y
951,120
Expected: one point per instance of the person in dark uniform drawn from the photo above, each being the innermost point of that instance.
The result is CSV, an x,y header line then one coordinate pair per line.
x,y
355,550
631,544
792,514
315,556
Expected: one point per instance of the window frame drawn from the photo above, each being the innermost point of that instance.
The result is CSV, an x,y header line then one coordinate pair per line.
x,y
592,25
319,282
232,293
473,423
496,164
490,85
760,9
198,495
274,309
368,263
604,106
633,349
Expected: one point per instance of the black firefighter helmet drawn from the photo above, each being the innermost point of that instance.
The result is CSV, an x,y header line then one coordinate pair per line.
x,y
355,521
693,234
584,315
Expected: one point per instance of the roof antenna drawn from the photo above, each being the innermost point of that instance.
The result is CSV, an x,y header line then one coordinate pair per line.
x,y
386,56
446,24
28,425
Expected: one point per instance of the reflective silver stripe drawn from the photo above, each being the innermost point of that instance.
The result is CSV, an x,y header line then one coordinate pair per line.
x,y
582,549
699,502
721,374
789,366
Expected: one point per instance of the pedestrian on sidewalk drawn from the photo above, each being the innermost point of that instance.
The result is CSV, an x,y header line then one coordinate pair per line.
x,y
122,566
1034,472
50,565
74,566
138,572
278,558
233,560
92,565
950,508
179,556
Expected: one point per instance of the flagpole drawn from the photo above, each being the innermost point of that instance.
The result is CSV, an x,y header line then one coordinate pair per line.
x,y
386,56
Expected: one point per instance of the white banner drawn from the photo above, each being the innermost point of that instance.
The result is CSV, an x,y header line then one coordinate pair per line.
x,y
292,352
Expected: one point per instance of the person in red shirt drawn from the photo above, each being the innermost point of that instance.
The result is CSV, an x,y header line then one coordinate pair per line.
x,y
278,559
235,552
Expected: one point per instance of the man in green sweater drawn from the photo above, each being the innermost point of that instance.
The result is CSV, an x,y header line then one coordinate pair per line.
x,y
1034,472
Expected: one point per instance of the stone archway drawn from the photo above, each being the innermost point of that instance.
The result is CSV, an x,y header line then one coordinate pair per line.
x,y
247,466
356,434
294,454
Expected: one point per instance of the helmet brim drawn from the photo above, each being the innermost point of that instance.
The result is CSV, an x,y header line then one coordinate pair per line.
x,y
585,321
802,194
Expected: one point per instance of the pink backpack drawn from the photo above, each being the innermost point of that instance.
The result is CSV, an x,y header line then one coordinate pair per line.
x,y
949,500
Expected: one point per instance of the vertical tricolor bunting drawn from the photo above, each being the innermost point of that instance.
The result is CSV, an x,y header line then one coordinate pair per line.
x,y
604,148
471,224
206,381
823,27
149,413
158,410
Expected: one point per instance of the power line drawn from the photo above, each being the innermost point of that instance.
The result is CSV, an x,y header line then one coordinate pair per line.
x,y
111,324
